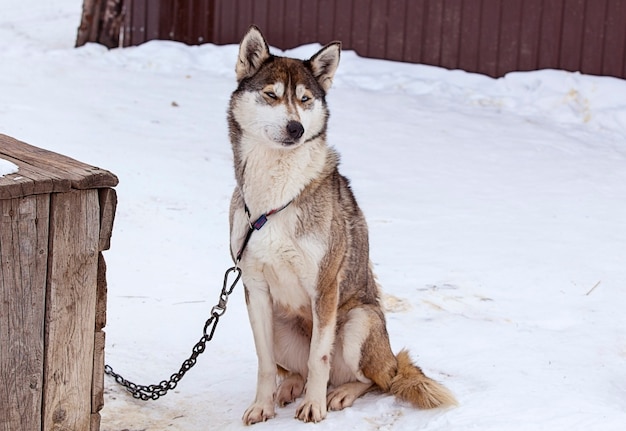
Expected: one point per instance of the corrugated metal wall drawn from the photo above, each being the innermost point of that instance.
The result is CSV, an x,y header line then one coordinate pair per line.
x,y
188,21
486,36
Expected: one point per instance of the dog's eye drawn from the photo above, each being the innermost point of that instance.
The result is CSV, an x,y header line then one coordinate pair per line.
x,y
305,99
271,95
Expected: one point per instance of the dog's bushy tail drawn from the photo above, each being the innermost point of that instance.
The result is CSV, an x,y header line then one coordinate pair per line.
x,y
412,385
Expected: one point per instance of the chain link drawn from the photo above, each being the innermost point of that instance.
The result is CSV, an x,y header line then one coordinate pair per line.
x,y
154,392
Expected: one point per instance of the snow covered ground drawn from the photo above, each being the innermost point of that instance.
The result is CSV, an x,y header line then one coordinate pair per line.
x,y
497,214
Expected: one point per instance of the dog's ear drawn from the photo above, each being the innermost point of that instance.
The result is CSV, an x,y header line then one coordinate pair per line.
x,y
324,64
253,51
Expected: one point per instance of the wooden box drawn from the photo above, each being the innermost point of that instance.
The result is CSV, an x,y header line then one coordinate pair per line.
x,y
56,217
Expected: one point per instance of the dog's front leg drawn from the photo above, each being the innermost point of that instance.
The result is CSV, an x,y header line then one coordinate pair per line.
x,y
259,305
313,407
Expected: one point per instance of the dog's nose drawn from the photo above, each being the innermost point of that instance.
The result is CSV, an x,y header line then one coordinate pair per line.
x,y
295,129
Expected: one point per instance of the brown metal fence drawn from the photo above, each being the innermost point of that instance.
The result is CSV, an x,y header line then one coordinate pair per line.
x,y
486,36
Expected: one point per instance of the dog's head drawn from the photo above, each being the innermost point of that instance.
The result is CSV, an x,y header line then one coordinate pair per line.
x,y
279,100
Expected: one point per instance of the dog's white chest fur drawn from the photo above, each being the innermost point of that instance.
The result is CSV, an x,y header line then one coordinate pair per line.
x,y
284,264
276,256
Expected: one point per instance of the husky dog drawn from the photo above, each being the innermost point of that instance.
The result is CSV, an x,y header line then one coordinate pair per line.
x,y
301,241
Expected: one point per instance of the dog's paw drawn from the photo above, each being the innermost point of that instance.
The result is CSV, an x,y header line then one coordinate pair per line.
x,y
345,395
311,411
258,412
340,399
289,389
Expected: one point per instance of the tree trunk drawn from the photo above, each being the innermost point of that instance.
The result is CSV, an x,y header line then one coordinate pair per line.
x,y
101,22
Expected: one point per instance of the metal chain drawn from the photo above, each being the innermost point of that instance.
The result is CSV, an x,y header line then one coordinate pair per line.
x,y
154,392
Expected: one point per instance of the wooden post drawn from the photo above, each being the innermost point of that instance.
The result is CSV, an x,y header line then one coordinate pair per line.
x,y
101,22
56,217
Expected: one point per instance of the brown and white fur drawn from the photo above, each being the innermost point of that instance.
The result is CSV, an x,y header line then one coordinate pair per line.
x,y
313,300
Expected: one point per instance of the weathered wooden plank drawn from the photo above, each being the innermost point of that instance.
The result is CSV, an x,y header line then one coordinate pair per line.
x,y
81,175
30,180
95,422
97,385
101,294
108,204
23,265
70,310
